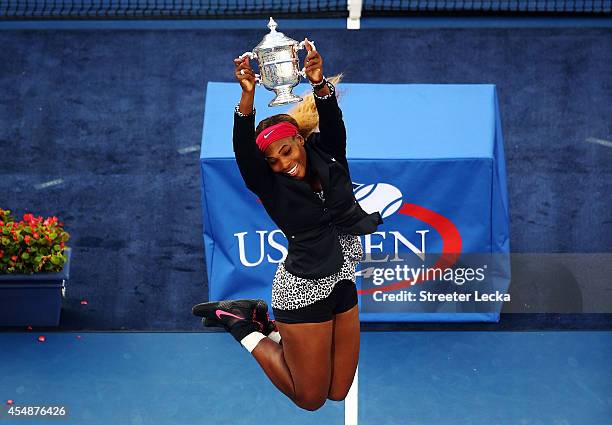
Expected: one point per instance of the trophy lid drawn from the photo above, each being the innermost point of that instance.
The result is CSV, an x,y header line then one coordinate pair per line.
x,y
274,38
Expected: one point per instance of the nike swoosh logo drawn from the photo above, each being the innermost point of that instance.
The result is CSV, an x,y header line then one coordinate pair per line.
x,y
220,313
266,135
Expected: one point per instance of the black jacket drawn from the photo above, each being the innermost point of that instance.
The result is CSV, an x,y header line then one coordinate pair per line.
x,y
311,226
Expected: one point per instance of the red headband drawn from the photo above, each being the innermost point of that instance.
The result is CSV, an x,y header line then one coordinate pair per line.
x,y
275,132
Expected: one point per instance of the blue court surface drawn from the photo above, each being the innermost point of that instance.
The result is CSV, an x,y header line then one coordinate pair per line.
x,y
404,378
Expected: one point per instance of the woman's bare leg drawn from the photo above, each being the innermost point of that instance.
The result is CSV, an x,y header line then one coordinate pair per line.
x,y
345,353
301,366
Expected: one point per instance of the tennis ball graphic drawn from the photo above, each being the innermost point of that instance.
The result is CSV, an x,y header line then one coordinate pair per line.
x,y
381,197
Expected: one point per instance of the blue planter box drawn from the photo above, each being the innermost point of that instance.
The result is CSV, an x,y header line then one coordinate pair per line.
x,y
33,299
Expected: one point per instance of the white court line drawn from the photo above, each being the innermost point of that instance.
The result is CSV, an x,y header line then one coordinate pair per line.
x,y
49,183
189,149
601,142
351,406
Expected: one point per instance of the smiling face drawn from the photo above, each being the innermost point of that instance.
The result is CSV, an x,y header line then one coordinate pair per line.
x,y
288,156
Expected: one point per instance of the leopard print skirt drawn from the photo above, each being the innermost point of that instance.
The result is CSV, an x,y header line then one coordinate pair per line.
x,y
290,292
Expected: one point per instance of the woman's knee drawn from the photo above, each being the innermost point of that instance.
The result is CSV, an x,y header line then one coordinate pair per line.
x,y
311,401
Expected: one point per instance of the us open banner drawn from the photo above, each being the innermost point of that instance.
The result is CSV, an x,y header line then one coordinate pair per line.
x,y
428,157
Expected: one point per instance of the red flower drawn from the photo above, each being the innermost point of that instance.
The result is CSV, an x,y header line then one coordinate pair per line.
x,y
36,236
27,239
1,223
14,258
28,217
1,253
62,245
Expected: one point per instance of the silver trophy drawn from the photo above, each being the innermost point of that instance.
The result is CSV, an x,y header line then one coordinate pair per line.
x,y
278,65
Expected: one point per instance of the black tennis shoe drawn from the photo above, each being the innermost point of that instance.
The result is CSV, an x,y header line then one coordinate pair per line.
x,y
254,310
238,317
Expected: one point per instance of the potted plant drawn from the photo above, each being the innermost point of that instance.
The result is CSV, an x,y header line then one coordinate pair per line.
x,y
34,268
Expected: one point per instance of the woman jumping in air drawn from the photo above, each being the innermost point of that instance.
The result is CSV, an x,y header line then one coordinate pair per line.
x,y
302,179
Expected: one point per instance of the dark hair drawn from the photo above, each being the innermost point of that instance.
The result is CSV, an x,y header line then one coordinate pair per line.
x,y
275,119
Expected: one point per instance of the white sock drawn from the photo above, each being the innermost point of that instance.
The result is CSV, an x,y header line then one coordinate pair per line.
x,y
251,340
275,336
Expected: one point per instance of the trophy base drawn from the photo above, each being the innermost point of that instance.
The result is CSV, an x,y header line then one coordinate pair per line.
x,y
284,96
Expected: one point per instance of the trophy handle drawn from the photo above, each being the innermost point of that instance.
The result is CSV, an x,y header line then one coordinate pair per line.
x,y
251,56
302,45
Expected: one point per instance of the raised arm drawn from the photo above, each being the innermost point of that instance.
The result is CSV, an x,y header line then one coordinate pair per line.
x,y
255,171
331,124
332,137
